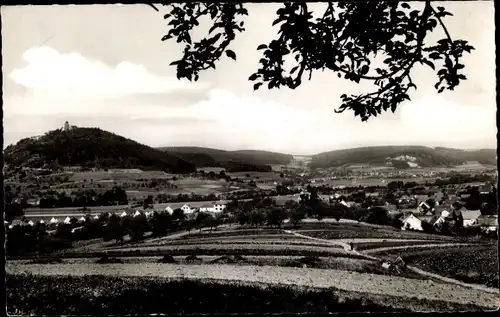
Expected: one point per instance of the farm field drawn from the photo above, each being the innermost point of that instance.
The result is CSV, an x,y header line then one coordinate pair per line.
x,y
354,231
118,175
257,176
476,265
397,292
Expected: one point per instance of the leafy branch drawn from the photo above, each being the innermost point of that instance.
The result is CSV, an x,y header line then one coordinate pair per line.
x,y
374,41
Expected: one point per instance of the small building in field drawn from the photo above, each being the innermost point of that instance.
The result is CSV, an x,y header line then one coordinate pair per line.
x,y
412,223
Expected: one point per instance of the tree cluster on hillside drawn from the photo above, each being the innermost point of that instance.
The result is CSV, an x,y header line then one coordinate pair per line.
x,y
88,198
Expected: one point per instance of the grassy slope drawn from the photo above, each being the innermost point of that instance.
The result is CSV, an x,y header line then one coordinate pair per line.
x,y
377,155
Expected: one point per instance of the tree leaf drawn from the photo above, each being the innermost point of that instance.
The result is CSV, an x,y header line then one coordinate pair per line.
x,y
253,77
261,46
405,5
231,54
429,63
256,86
166,37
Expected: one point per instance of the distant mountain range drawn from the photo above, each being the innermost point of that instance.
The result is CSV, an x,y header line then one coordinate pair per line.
x,y
93,147
243,160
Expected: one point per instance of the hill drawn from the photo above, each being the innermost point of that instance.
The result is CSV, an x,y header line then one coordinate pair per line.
x,y
91,147
233,161
401,157
483,156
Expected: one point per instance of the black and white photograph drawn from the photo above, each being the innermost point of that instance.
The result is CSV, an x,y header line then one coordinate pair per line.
x,y
296,157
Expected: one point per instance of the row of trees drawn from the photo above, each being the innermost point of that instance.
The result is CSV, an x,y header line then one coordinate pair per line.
x,y
113,196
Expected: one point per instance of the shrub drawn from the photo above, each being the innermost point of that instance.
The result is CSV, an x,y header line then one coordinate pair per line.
x,y
106,260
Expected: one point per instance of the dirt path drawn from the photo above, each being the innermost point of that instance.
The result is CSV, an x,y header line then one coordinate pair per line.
x,y
395,287
428,246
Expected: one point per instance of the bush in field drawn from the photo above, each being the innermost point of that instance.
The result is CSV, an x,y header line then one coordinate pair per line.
x,y
107,260
167,259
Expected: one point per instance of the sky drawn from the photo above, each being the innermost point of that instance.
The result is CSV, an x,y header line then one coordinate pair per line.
x,y
105,66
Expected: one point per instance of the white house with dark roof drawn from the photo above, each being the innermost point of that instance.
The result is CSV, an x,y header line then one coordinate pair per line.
x,y
186,208
169,210
412,223
470,217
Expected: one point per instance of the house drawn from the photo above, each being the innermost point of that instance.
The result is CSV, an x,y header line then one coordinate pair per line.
x,y
137,213
219,206
31,223
169,210
123,214
206,207
486,188
412,223
488,223
470,217
67,220
16,223
214,207
405,199
82,219
186,208
423,208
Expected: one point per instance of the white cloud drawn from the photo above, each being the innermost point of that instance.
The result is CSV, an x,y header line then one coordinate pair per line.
x,y
72,74
70,85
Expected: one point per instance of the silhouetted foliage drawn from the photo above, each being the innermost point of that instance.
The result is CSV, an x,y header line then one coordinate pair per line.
x,y
391,34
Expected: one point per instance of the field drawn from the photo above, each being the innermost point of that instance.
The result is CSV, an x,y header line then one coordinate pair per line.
x,y
233,258
114,288
257,176
118,175
477,265
357,231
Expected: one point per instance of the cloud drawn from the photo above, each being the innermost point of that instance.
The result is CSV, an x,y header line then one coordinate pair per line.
x,y
73,74
157,110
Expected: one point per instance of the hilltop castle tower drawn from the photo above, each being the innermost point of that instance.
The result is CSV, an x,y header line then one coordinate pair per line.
x,y
66,126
